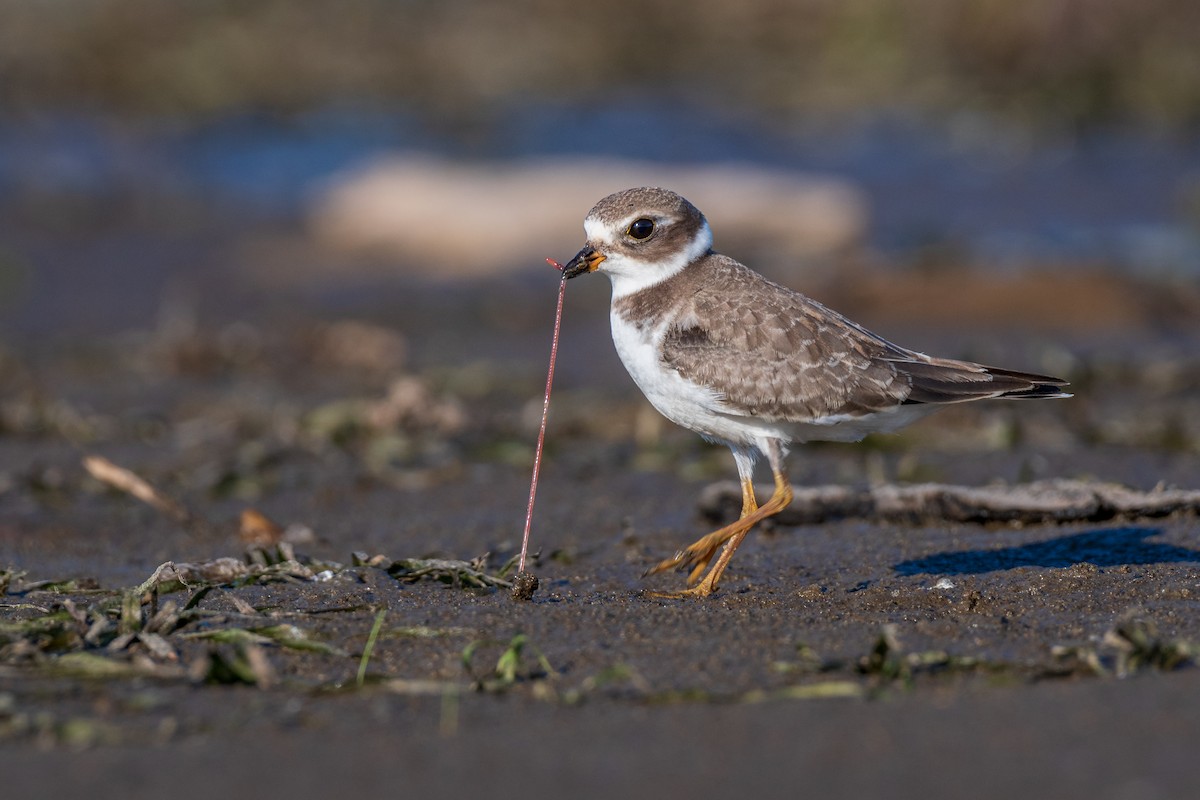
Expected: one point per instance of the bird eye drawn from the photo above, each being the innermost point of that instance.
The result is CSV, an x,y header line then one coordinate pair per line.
x,y
641,229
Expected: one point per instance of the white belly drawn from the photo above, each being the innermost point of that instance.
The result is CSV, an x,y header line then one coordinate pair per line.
x,y
702,410
690,405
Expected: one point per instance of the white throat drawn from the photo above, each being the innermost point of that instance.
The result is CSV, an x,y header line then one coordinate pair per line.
x,y
630,274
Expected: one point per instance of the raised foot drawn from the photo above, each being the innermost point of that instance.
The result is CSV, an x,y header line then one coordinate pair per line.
x,y
695,556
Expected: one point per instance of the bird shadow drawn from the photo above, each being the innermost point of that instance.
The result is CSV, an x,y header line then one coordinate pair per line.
x,y
1103,548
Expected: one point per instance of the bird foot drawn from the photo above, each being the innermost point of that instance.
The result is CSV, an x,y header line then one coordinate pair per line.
x,y
696,556
705,589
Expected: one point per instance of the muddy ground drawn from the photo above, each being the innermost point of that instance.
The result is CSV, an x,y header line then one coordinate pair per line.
x,y
364,428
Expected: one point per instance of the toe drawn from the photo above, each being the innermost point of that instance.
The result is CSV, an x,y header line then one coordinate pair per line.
x,y
703,590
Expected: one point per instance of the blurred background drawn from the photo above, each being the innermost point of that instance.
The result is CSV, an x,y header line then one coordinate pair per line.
x,y
233,232
938,134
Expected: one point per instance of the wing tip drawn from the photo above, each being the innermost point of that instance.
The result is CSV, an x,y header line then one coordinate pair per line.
x,y
932,385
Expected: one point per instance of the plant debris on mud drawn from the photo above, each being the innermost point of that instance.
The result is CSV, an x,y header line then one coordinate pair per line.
x,y
215,624
226,538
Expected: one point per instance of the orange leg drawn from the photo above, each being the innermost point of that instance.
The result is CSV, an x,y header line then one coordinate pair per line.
x,y
698,555
702,559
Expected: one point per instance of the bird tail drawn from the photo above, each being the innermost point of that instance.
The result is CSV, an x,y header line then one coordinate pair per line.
x,y
941,380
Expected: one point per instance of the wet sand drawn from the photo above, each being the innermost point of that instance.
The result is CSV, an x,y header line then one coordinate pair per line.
x,y
851,657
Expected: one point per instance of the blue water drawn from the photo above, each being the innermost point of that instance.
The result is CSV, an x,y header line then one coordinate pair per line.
x,y
1121,199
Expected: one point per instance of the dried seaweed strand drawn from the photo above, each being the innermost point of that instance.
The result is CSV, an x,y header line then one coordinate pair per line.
x,y
537,457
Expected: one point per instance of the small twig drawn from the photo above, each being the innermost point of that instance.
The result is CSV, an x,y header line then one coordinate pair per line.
x,y
127,481
459,573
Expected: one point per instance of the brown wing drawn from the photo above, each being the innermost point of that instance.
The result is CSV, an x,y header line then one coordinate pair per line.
x,y
773,353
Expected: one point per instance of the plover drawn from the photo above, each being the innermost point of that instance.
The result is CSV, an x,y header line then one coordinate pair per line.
x,y
740,360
